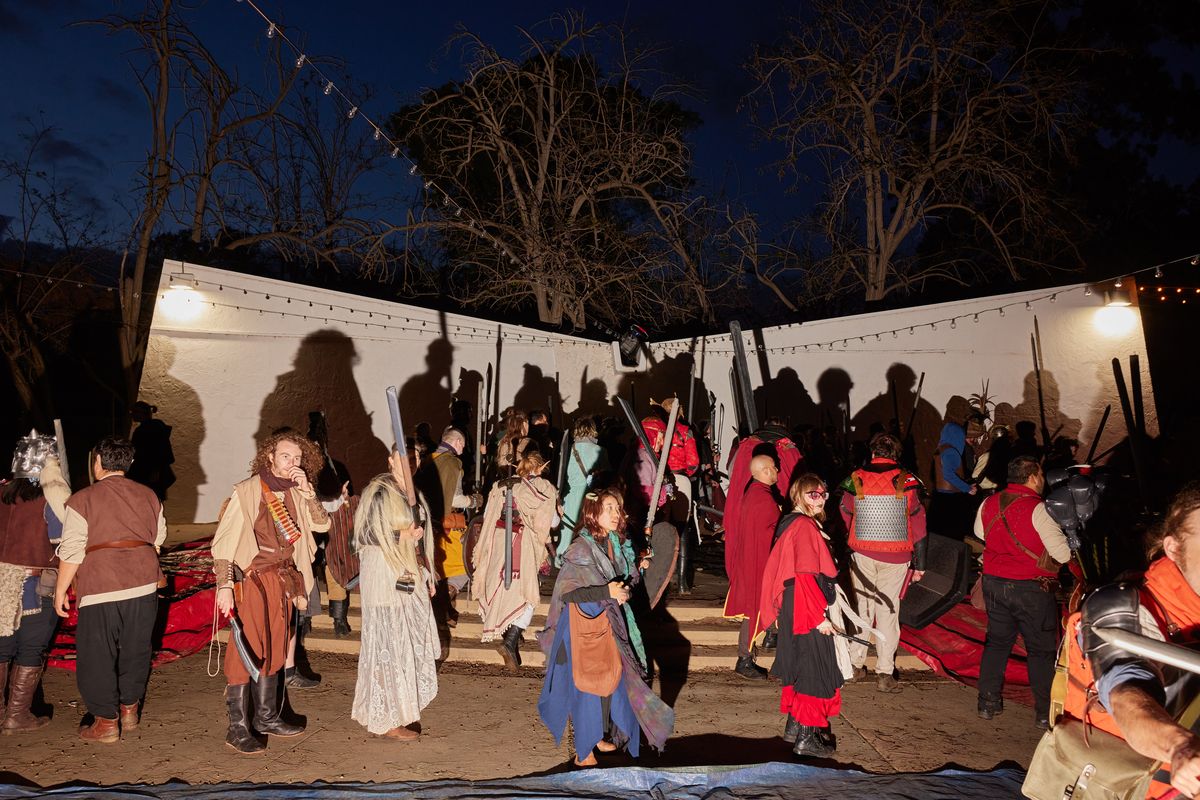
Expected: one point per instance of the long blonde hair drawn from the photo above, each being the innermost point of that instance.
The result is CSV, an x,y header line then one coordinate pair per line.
x,y
382,512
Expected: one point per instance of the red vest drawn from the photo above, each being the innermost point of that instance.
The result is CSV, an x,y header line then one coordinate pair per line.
x,y
1002,558
117,508
882,521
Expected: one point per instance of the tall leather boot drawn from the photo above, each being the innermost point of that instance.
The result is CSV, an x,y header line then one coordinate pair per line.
x,y
22,686
267,692
301,676
240,737
3,685
510,647
685,559
339,610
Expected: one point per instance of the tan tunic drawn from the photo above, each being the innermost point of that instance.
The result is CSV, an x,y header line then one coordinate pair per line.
x,y
536,500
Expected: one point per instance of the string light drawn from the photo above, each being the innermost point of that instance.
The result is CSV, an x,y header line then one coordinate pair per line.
x,y
329,88
271,31
300,61
352,112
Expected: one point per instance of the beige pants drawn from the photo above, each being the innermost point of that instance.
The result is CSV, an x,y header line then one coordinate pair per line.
x,y
877,589
336,590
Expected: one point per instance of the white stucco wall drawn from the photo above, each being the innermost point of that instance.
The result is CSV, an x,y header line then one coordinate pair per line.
x,y
1079,338
235,357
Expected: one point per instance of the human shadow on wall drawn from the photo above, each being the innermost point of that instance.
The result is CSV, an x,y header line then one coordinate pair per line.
x,y
1059,424
594,400
893,411
464,410
785,398
538,391
322,379
667,377
179,406
425,397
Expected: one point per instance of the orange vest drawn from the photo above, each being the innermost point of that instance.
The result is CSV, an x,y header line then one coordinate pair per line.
x,y
881,518
1176,608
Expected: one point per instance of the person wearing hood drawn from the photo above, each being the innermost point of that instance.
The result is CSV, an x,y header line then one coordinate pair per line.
x,y
952,507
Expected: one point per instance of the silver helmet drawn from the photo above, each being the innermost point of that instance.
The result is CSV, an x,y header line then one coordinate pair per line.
x,y
30,455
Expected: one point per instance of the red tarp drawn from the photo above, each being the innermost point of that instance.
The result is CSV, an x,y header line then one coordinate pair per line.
x,y
185,613
952,645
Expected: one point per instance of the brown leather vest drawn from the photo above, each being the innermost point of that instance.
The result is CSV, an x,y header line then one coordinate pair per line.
x,y
117,508
24,538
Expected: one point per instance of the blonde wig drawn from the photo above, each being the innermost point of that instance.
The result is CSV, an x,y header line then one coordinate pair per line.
x,y
382,514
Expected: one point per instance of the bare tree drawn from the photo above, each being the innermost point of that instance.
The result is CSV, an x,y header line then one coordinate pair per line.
x,y
923,115
560,183
44,275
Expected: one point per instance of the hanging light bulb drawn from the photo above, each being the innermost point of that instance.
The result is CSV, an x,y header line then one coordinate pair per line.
x,y
1087,291
1158,272
954,323
1118,283
1028,305
396,154
300,61
377,134
352,112
1054,298
1002,311
329,87
413,169
271,31
977,318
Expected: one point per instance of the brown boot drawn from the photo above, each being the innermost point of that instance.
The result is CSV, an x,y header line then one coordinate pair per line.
x,y
106,731
18,718
129,717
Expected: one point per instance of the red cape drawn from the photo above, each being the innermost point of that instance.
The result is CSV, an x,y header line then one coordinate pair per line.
x,y
739,477
746,554
801,550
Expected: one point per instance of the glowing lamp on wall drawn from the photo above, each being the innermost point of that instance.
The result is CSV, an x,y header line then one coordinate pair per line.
x,y
181,302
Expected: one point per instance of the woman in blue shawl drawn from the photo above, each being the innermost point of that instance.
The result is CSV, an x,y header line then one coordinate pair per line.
x,y
592,590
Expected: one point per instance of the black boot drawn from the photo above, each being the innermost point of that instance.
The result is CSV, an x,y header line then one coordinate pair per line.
x,y
685,559
339,610
809,742
510,647
749,670
791,729
240,737
268,692
990,706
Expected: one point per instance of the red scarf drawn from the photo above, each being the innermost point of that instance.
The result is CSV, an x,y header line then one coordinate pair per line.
x,y
285,526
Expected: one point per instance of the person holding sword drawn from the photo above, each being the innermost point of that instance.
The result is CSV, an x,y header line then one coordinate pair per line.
x,y
262,555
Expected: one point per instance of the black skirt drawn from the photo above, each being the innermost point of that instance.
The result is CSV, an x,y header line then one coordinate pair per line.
x,y
807,661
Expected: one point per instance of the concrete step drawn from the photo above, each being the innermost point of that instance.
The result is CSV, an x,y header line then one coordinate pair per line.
x,y
460,651
681,609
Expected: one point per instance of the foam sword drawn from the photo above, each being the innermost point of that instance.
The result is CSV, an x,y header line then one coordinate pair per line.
x,y
237,637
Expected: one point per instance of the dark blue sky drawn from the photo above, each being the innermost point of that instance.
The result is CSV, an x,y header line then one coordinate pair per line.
x,y
77,78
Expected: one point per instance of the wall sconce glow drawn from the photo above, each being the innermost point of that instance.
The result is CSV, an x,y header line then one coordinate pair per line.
x,y
1115,321
181,303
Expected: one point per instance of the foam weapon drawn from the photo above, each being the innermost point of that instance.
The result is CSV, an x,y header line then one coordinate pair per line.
x,y
637,428
62,451
1099,432
508,535
562,463
479,412
405,583
743,375
1034,341
1144,646
237,637
661,472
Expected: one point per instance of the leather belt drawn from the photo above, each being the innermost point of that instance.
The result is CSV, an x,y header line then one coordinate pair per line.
x,y
119,544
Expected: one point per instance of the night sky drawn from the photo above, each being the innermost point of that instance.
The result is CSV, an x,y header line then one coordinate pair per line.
x,y
76,79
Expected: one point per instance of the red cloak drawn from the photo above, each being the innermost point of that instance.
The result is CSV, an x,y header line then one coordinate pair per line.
x,y
739,478
800,553
746,553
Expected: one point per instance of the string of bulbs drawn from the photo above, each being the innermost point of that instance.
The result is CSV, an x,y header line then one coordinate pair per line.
x,y
1117,281
473,225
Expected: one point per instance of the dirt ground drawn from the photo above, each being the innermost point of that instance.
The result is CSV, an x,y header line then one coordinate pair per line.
x,y
484,724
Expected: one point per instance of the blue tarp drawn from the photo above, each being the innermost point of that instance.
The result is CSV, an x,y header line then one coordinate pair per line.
x,y
760,782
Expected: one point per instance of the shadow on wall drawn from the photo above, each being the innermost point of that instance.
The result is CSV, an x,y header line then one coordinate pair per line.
x,y
322,379
666,377
899,411
1058,422
178,406
538,391
425,398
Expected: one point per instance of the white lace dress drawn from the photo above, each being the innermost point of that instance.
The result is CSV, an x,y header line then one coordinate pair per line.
x,y
397,676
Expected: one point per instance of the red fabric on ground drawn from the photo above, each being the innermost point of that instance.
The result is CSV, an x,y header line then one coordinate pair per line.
x,y
187,603
952,645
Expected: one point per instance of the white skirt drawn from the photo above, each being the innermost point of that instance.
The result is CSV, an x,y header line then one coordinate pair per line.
x,y
397,670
